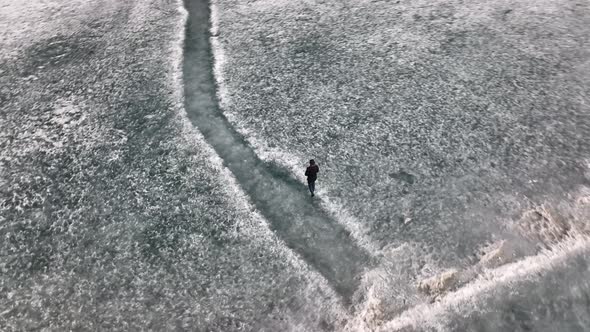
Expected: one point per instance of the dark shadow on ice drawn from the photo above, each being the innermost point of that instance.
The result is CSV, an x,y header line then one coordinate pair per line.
x,y
284,202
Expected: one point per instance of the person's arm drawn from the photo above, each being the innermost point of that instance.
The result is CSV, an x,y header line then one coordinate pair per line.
x,y
307,171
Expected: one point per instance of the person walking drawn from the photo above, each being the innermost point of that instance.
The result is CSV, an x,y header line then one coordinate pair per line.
x,y
312,174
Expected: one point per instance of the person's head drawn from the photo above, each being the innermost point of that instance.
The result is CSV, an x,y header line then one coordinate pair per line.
x,y
312,162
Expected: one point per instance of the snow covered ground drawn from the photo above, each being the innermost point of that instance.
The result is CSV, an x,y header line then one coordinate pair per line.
x,y
448,113
115,215
448,132
452,139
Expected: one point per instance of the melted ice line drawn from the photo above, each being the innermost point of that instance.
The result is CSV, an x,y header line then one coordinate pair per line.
x,y
305,228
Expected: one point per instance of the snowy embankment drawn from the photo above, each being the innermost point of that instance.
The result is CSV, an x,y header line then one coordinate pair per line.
x,y
114,213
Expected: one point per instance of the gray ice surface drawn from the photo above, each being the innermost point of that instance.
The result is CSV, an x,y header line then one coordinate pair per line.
x,y
114,213
448,112
441,127
304,227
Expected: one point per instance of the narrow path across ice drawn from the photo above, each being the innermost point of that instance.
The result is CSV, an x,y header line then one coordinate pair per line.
x,y
283,201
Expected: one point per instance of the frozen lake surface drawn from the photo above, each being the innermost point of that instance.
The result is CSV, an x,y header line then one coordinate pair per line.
x,y
452,140
448,132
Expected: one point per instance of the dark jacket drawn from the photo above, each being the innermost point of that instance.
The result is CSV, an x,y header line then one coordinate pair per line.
x,y
312,172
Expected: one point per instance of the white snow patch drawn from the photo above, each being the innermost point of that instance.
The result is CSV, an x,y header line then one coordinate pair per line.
x,y
214,18
219,59
467,297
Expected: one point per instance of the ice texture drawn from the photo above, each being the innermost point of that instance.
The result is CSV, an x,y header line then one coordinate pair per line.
x,y
306,229
441,127
432,110
114,212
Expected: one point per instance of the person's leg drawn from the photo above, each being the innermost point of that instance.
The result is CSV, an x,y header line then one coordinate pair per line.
x,y
312,187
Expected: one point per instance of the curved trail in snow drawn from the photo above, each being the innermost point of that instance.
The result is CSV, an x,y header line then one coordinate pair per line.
x,y
282,200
